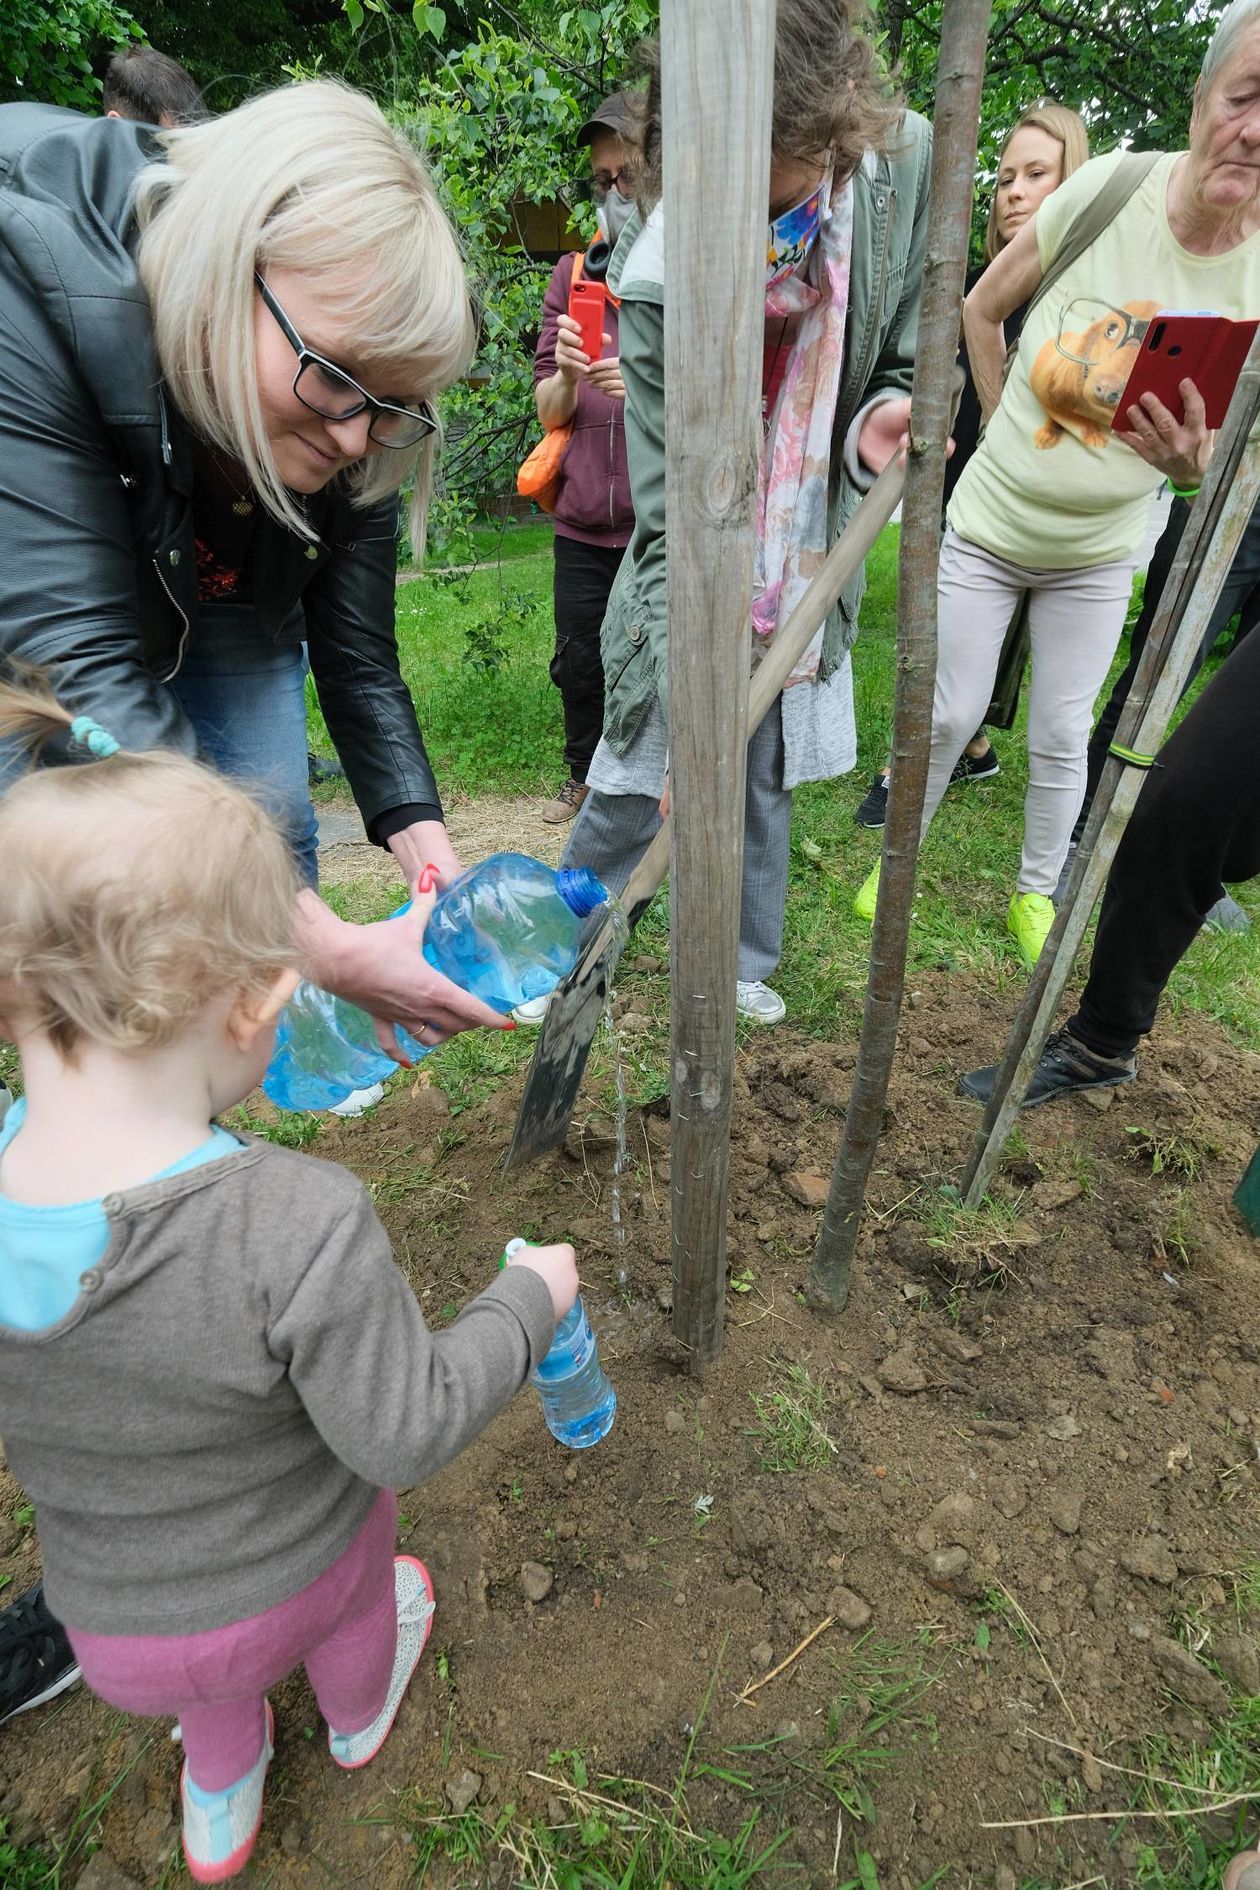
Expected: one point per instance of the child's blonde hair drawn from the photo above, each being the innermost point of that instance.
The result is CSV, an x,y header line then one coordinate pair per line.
x,y
134,890
312,178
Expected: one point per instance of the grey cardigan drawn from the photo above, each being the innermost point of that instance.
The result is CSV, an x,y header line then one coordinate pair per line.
x,y
206,1429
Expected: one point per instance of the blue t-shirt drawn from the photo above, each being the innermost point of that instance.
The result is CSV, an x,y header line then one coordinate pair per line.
x,y
45,1250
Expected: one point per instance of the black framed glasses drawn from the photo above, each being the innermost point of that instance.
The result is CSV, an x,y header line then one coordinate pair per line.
x,y
335,395
1102,321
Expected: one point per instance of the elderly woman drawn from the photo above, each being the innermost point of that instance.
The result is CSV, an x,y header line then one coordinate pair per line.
x,y
219,347
1055,501
845,245
1046,144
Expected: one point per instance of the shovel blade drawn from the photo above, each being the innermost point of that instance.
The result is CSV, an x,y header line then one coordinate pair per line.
x,y
564,1043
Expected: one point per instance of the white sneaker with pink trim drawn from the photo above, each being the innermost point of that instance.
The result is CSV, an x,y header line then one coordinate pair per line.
x,y
220,1828
413,1594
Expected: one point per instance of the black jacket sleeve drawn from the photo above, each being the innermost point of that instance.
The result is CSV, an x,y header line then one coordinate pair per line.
x,y
68,570
354,659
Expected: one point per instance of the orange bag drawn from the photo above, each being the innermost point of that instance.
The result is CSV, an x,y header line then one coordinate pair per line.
x,y
539,476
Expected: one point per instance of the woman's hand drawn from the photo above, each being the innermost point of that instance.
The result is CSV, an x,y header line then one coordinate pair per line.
x,y
884,433
606,375
426,843
1180,449
572,363
382,969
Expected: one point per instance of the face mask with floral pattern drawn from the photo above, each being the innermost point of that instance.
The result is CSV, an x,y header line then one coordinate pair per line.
x,y
792,235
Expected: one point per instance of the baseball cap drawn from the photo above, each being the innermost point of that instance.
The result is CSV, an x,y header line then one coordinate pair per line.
x,y
621,113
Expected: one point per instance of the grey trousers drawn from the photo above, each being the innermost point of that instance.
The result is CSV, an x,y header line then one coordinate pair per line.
x,y
613,830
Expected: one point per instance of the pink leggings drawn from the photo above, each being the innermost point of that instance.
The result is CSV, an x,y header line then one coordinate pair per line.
x,y
342,1628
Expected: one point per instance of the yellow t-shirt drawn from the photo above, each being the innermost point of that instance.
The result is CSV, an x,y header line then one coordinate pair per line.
x,y
1048,487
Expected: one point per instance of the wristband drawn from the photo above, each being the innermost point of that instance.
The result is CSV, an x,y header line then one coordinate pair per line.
x,y
1183,492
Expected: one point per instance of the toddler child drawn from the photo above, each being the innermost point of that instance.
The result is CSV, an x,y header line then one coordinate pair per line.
x,y
212,1375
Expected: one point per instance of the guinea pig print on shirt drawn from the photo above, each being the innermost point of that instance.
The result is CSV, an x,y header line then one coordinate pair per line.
x,y
1080,374
1054,485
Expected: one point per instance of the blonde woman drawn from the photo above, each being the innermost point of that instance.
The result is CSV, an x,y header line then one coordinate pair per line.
x,y
219,349
1045,145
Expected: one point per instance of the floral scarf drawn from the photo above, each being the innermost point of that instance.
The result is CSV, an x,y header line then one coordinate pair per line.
x,y
796,459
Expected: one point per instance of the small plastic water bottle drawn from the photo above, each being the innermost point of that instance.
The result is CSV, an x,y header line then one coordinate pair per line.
x,y
507,931
578,1401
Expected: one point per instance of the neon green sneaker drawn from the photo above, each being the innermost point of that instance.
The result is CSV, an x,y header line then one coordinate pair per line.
x,y
864,904
1028,921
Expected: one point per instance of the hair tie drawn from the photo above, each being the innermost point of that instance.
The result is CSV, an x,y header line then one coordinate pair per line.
x,y
90,735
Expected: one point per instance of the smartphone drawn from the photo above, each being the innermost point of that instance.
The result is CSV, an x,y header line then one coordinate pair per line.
x,y
587,302
1197,345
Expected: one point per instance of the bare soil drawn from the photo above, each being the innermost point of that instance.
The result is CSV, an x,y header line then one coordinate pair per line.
x,y
1042,1451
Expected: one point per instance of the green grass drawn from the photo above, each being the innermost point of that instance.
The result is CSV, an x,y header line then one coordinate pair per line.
x,y
475,652
791,1429
500,541
22,1867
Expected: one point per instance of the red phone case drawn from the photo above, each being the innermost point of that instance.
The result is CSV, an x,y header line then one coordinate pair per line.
x,y
1206,349
587,302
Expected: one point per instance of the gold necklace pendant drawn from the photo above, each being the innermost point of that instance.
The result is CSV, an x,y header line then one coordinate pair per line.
x,y
242,507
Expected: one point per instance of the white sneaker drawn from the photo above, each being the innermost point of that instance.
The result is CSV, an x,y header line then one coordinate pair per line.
x,y
220,1828
413,1597
756,1000
532,1012
358,1100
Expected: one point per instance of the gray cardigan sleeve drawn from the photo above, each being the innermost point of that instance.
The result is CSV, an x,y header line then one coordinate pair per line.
x,y
393,1400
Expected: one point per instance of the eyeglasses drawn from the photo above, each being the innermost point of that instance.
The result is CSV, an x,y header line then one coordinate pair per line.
x,y
622,180
335,395
1114,327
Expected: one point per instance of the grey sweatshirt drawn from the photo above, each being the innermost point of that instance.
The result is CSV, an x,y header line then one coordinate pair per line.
x,y
207,1428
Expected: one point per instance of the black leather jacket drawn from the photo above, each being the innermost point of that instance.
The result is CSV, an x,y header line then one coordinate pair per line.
x,y
98,571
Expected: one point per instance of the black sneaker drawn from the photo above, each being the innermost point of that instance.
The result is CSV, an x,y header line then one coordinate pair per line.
x,y
317,770
975,767
873,810
1065,1065
36,1660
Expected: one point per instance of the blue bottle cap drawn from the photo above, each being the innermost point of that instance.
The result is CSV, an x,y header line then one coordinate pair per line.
x,y
580,889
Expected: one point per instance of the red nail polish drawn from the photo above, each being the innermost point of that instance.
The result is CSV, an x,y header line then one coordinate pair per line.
x,y
427,880
511,1024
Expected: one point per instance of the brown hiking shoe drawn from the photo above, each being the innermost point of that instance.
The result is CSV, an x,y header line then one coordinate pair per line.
x,y
566,803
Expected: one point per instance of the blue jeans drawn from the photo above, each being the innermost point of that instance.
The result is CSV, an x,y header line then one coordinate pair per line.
x,y
246,698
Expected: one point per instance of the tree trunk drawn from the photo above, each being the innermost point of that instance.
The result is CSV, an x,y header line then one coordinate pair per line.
x,y
961,69
717,63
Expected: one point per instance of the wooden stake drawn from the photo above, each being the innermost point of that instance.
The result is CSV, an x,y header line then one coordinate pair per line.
x,y
1217,521
964,25
717,65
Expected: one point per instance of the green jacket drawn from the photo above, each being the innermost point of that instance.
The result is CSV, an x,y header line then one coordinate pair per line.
x,y
890,214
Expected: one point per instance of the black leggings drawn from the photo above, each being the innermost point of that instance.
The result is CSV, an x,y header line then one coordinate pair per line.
x,y
584,577
1240,592
1196,823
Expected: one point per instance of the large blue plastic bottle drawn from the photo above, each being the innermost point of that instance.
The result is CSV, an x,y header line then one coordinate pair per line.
x,y
578,1401
507,930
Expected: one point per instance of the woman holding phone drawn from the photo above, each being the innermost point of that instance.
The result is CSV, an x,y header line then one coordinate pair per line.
x,y
1055,500
1046,144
